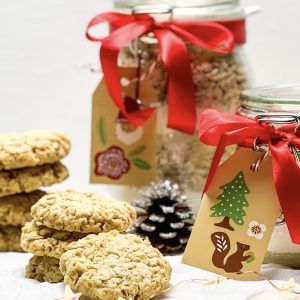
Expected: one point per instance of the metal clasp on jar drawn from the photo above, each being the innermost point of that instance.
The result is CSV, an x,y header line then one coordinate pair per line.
x,y
277,119
153,10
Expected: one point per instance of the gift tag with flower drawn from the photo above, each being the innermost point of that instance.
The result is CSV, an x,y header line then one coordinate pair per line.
x,y
122,153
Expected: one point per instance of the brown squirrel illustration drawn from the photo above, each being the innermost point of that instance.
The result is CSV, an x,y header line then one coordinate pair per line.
x,y
233,263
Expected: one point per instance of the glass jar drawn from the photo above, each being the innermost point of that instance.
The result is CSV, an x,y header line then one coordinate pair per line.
x,y
218,78
285,100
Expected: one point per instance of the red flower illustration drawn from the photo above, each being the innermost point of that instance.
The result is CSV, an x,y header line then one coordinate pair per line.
x,y
112,163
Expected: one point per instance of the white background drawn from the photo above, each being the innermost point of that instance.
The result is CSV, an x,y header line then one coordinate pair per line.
x,y
42,46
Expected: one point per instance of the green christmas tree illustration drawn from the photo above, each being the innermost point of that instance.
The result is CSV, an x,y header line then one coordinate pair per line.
x,y
232,202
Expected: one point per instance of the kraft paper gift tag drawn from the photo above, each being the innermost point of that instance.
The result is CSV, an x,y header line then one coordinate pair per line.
x,y
236,218
120,152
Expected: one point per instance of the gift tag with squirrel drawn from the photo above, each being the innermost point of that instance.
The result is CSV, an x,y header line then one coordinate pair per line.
x,y
236,218
120,152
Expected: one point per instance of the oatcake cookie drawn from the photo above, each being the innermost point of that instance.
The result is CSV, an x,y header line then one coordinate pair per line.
x,y
44,269
82,212
112,265
32,148
30,179
15,209
44,241
10,239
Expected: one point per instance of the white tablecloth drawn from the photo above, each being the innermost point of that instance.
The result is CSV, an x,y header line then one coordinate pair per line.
x,y
14,286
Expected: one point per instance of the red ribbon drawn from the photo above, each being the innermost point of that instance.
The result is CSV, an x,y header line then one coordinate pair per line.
x,y
171,38
221,129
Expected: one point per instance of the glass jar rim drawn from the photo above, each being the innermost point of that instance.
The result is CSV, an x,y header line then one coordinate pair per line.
x,y
174,4
280,94
192,9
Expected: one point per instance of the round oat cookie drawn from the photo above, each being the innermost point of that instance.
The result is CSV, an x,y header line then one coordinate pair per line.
x,y
44,241
30,179
15,209
44,269
32,148
10,239
82,212
112,265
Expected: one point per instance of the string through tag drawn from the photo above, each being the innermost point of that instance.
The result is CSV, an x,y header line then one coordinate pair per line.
x,y
138,75
287,287
255,166
158,11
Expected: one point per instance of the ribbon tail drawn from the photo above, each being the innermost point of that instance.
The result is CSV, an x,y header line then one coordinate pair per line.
x,y
212,124
109,57
181,90
215,163
286,175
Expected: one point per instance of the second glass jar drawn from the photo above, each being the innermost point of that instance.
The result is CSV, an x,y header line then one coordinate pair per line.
x,y
282,100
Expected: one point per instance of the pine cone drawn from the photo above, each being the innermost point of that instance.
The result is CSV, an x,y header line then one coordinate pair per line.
x,y
164,217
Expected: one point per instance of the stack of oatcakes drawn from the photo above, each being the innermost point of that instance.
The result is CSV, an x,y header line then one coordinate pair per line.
x,y
28,161
60,218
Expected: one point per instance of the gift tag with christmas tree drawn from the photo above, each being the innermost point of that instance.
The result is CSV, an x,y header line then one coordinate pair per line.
x,y
122,153
236,218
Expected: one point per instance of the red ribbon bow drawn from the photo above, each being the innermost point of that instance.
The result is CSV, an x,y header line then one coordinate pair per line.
x,y
221,129
218,37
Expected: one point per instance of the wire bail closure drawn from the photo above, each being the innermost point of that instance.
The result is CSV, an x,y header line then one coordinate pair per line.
x,y
153,10
276,119
273,119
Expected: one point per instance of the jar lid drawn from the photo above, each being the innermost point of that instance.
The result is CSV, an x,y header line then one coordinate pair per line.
x,y
282,94
193,9
173,3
